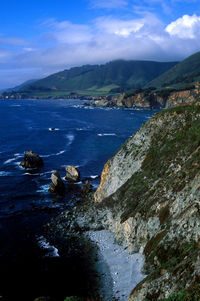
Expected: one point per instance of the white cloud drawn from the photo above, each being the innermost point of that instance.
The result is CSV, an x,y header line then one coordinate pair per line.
x,y
109,25
64,44
187,27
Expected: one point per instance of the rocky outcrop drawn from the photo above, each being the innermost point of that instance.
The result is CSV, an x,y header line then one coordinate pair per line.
x,y
72,174
57,185
149,198
31,160
151,202
150,99
86,189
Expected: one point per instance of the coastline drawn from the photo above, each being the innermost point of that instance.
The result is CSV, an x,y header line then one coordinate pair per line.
x,y
118,269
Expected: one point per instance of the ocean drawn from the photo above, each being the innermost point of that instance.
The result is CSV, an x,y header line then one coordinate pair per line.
x,y
83,137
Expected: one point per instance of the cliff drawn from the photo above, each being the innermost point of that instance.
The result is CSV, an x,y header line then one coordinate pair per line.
x,y
150,99
149,198
151,189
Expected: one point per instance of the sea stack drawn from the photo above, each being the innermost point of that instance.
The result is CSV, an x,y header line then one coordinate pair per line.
x,y
72,175
31,160
57,185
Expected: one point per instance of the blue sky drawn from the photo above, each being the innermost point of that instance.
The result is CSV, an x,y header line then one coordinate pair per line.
x,y
38,38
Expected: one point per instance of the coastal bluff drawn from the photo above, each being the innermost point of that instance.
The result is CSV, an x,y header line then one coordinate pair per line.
x,y
150,192
148,198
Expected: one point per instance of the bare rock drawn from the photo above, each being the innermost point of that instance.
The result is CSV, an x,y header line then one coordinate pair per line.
x,y
31,160
86,189
57,185
72,175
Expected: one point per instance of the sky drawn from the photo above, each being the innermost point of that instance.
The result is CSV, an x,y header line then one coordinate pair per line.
x,y
41,37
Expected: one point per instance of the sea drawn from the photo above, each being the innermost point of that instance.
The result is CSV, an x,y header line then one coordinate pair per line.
x,y
63,133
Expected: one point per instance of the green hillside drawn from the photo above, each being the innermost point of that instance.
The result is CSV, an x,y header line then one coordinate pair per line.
x,y
101,79
182,75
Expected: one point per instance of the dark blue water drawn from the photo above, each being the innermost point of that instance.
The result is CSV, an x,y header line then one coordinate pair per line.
x,y
82,137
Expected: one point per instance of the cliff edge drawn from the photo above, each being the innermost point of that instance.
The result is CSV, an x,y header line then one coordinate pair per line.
x,y
150,198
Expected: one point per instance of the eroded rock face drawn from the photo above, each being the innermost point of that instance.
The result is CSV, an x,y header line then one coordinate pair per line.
x,y
57,185
126,161
31,160
72,174
149,196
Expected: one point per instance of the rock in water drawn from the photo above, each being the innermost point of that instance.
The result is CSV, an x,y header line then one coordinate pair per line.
x,y
57,185
31,160
72,175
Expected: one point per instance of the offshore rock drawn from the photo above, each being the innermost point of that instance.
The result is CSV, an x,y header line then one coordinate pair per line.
x,y
31,160
72,175
57,185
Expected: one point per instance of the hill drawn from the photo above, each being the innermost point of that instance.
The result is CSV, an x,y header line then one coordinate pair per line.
x,y
112,77
182,75
17,88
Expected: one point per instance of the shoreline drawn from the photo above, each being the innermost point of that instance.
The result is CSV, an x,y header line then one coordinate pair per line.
x,y
118,269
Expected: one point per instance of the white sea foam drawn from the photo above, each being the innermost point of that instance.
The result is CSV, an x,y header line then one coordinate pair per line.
x,y
107,134
43,189
46,172
5,173
94,177
70,138
51,250
56,154
31,174
9,161
17,156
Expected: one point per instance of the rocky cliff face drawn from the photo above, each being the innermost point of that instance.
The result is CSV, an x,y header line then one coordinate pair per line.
x,y
149,197
148,99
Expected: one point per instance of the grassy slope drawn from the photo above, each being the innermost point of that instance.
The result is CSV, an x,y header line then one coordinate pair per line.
x,y
181,75
102,78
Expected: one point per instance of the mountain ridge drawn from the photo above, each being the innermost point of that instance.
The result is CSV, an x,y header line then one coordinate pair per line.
x,y
109,77
181,75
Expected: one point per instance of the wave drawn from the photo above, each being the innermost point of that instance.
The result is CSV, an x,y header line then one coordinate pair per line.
x,y
31,174
5,173
94,177
70,138
56,154
17,156
43,189
107,134
45,245
9,161
47,172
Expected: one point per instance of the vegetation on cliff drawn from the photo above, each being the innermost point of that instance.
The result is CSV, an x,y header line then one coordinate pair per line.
x,y
157,210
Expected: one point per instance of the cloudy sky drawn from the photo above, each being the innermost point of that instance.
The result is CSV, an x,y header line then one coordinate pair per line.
x,y
40,37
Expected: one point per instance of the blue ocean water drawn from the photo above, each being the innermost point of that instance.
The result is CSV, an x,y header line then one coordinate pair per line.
x,y
84,137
